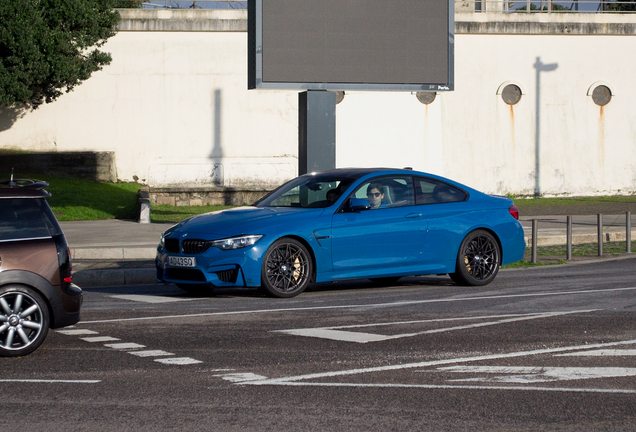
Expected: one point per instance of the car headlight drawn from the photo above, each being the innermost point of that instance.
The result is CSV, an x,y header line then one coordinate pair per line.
x,y
236,242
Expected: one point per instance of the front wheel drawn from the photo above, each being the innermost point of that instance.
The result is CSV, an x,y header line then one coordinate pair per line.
x,y
287,268
24,321
478,259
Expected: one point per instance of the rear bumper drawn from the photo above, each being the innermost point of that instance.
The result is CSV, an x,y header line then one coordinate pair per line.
x,y
67,312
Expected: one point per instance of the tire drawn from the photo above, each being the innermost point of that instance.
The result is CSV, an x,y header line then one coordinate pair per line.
x,y
478,259
24,320
385,280
287,268
196,289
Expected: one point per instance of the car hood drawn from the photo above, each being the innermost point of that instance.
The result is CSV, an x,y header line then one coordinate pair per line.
x,y
242,220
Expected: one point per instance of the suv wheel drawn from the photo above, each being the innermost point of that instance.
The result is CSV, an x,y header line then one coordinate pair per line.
x,y
24,320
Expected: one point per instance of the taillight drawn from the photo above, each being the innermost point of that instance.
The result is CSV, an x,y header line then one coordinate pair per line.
x,y
64,259
69,278
514,211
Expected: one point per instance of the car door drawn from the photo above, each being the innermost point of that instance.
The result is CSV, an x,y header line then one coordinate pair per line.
x,y
444,207
381,241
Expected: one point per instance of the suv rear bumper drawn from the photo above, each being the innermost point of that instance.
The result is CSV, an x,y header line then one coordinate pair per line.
x,y
65,303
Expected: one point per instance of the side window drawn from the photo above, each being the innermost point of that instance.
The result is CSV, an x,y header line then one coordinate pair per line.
x,y
22,218
429,191
385,192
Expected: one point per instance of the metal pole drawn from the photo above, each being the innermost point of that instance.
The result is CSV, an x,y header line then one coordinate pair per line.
x,y
568,254
535,228
628,232
600,234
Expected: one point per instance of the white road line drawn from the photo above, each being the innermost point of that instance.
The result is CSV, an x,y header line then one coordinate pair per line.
x,y
150,353
99,339
76,332
178,361
51,381
125,345
283,380
151,298
358,306
347,336
451,387
601,353
534,374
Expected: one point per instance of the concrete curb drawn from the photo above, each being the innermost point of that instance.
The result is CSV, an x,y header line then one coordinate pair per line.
x,y
114,253
120,277
115,277
147,276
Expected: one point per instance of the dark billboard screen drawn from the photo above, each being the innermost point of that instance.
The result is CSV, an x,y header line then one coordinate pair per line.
x,y
351,44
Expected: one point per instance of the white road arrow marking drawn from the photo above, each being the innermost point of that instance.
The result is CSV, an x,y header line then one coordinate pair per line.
x,y
347,336
530,374
241,377
151,298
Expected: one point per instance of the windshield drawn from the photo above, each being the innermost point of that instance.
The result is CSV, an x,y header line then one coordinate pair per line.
x,y
308,191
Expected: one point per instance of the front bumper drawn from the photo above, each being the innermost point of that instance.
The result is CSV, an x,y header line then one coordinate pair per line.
x,y
234,268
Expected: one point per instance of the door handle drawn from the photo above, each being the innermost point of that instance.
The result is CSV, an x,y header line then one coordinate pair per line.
x,y
414,215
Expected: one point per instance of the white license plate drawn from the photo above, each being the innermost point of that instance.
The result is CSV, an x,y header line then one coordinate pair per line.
x,y
182,261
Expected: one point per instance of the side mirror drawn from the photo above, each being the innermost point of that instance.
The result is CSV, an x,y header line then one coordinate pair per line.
x,y
357,204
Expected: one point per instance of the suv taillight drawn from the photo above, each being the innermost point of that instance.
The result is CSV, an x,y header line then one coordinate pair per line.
x,y
64,259
514,211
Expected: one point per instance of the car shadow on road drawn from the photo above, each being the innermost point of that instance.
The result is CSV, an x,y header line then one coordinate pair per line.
x,y
172,290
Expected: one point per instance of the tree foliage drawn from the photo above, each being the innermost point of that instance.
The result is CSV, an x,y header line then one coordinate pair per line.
x,y
621,6
127,4
48,47
555,7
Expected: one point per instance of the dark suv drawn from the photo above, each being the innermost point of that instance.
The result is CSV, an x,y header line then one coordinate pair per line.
x,y
36,291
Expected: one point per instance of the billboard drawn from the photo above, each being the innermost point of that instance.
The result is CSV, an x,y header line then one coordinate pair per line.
x,y
351,44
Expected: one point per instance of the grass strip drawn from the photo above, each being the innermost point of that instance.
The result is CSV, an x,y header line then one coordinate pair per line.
x,y
75,199
167,213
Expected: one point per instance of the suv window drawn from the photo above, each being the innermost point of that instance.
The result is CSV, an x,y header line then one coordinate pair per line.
x,y
22,218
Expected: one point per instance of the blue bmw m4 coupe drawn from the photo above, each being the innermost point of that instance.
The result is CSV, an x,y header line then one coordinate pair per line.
x,y
380,224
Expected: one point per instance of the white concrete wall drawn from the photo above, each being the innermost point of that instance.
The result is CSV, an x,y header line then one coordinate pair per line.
x,y
473,136
175,108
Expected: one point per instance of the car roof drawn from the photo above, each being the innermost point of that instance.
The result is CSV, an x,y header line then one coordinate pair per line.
x,y
358,172
23,188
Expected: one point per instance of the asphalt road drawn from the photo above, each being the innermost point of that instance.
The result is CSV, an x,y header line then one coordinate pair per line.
x,y
550,348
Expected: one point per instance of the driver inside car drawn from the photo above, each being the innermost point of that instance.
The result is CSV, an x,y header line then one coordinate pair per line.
x,y
375,196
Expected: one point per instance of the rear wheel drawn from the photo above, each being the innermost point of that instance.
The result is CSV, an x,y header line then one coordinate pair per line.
x,y
287,268
24,320
478,259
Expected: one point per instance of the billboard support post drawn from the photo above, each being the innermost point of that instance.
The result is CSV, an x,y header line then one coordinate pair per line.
x,y
316,131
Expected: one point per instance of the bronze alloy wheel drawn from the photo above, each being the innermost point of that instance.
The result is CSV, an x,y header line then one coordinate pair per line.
x,y
478,259
286,268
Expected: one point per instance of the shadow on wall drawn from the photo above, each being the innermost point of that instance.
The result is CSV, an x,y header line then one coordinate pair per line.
x,y
8,117
540,67
98,166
